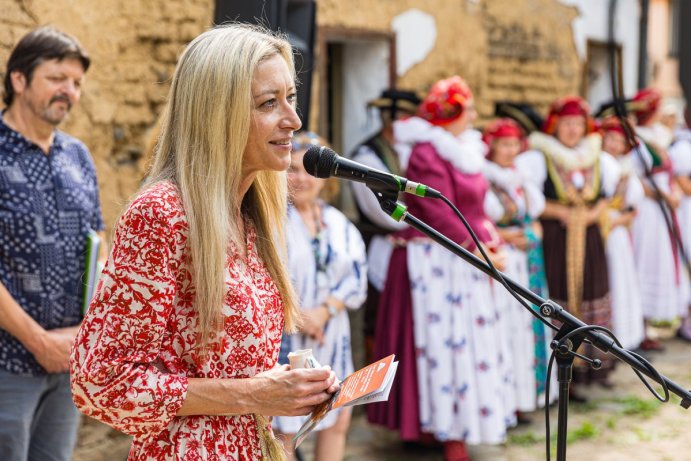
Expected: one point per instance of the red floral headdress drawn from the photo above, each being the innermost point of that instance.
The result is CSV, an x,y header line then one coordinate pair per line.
x,y
568,105
502,128
445,101
645,104
612,123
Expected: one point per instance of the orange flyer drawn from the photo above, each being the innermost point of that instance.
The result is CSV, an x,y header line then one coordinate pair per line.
x,y
364,382
367,385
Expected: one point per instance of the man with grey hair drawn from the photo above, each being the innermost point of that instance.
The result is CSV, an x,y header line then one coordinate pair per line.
x,y
49,204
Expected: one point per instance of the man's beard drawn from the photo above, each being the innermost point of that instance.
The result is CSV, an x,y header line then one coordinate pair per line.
x,y
56,118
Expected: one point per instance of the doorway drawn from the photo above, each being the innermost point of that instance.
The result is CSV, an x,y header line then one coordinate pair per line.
x,y
596,85
355,66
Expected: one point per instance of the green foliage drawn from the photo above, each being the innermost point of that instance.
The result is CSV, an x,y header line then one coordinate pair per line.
x,y
586,431
632,405
643,435
585,407
663,323
526,439
611,423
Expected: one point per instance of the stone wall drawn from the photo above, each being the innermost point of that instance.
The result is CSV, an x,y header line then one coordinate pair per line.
x,y
133,45
505,49
531,55
516,49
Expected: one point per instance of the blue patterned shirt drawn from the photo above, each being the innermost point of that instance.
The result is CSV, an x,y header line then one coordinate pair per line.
x,y
48,203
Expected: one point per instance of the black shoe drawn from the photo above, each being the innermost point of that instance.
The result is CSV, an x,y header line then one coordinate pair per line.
x,y
523,419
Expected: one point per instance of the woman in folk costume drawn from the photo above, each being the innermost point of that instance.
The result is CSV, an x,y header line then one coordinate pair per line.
x,y
327,262
566,162
646,107
514,203
662,279
460,353
680,154
627,310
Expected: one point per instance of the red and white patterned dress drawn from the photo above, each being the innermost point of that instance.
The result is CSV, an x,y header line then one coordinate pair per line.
x,y
136,347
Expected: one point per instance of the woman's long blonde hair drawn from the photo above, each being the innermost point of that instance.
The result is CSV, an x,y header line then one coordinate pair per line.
x,y
204,131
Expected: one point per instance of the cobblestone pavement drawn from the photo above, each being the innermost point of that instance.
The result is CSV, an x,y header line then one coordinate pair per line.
x,y
623,423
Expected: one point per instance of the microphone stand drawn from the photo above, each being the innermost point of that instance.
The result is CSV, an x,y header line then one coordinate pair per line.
x,y
567,339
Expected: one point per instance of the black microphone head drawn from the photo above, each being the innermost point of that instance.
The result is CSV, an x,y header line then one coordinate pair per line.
x,y
319,161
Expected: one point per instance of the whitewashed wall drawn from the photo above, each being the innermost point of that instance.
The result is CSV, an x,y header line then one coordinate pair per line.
x,y
592,24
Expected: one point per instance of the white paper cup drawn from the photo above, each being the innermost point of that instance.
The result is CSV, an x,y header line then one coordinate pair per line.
x,y
300,358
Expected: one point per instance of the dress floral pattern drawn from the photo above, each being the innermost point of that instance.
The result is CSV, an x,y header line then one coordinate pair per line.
x,y
464,379
513,202
136,348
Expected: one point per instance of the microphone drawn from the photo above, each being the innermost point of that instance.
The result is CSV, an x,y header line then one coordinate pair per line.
x,y
322,162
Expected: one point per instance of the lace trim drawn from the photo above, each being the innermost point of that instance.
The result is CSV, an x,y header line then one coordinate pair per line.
x,y
465,152
583,156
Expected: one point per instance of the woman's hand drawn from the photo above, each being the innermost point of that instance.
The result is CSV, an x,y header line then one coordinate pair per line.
x,y
594,213
554,210
673,199
285,392
313,323
565,214
515,237
276,392
625,218
537,229
496,255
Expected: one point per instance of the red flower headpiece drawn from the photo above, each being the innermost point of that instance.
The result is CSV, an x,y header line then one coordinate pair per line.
x,y
503,128
645,104
445,101
613,124
568,105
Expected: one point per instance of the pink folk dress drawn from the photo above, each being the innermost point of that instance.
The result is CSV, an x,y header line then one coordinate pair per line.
x,y
437,312
136,348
